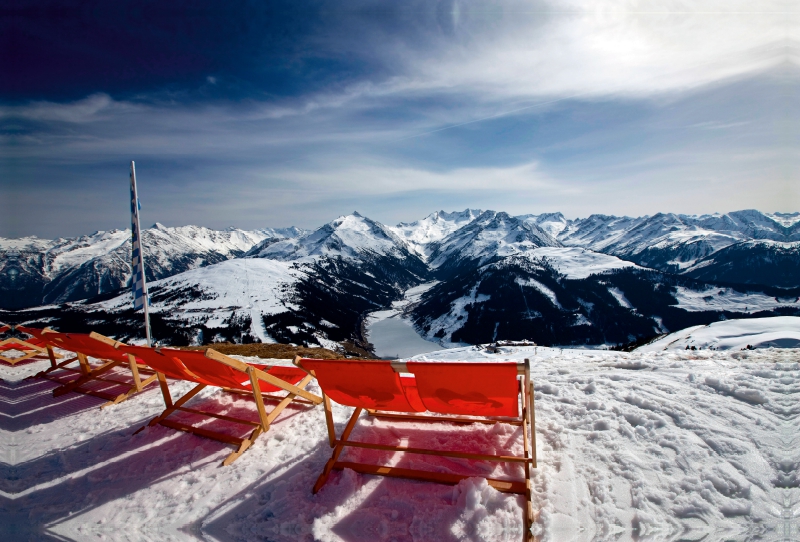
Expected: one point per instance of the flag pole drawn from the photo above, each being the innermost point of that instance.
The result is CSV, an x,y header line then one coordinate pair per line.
x,y
138,280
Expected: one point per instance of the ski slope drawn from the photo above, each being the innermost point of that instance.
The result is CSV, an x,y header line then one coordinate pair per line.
x,y
778,331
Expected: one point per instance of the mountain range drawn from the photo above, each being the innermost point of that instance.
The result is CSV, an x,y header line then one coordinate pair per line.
x,y
489,276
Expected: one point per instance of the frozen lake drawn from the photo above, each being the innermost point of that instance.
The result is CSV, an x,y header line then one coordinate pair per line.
x,y
394,337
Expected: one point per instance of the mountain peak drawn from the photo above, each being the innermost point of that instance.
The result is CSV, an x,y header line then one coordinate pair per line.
x,y
490,235
347,237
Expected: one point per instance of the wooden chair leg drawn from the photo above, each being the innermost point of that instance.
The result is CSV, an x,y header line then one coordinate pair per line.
x,y
528,506
246,443
265,419
133,390
336,451
172,408
88,375
54,365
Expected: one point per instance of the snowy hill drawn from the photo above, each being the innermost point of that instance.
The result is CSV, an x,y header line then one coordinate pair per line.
x,y
779,332
222,302
78,268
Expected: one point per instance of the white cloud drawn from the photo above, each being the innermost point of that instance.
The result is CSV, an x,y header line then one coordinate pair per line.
x,y
370,180
610,47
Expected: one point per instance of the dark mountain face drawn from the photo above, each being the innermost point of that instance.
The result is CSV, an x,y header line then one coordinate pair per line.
x,y
516,299
772,264
339,293
21,278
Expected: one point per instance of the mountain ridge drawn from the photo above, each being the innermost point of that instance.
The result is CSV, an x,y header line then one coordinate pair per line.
x,y
496,277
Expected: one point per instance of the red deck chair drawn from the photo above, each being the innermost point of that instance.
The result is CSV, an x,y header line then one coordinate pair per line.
x,y
26,348
94,379
211,368
488,392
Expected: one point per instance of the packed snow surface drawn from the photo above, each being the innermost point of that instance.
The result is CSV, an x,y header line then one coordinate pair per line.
x,y
676,445
578,263
728,299
778,331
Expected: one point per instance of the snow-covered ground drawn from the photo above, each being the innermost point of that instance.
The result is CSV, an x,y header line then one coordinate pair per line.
x,y
677,445
578,263
778,331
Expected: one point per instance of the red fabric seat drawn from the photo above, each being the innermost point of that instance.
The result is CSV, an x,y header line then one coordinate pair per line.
x,y
217,374
84,344
103,380
194,366
476,389
167,365
490,392
365,384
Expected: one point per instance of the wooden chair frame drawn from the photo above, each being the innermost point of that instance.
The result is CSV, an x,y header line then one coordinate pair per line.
x,y
265,419
28,350
87,372
527,419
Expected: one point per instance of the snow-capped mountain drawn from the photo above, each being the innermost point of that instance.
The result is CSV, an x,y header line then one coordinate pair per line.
x,y
490,236
315,290
494,276
434,227
552,223
35,271
673,242
350,237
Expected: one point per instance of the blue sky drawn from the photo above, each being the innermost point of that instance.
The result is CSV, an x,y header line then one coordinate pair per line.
x,y
259,114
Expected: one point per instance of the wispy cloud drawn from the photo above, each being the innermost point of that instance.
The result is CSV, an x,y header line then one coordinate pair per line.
x,y
394,109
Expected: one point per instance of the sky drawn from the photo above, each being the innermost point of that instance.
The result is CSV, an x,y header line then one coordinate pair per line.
x,y
270,114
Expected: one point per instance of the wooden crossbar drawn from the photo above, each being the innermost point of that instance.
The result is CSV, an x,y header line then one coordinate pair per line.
x,y
449,419
506,486
442,453
402,367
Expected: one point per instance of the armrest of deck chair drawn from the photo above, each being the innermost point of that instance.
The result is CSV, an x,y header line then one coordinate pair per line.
x,y
261,375
108,340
